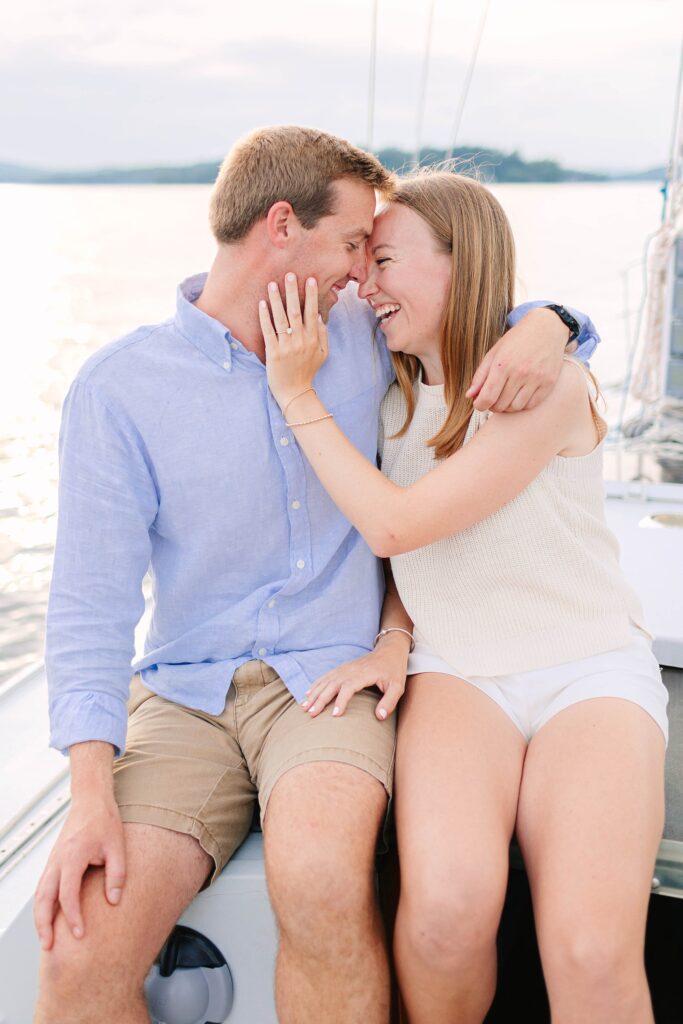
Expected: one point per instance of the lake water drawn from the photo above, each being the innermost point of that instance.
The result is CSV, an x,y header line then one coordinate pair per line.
x,y
82,265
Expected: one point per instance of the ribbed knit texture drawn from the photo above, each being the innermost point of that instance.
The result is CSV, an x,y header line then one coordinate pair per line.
x,y
535,584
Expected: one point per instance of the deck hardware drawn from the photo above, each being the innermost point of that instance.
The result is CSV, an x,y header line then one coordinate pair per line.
x,y
190,983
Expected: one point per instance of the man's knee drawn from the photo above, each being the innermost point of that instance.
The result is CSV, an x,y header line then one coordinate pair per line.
x,y
321,810
76,974
322,904
108,965
320,836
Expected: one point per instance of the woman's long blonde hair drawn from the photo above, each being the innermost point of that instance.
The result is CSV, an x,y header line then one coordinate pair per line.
x,y
469,223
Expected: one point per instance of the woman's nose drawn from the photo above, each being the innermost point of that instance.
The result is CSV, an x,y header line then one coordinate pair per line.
x,y
367,286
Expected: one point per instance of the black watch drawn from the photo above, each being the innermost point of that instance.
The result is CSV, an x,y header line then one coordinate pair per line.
x,y
568,320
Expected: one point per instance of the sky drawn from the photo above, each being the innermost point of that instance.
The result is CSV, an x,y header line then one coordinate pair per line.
x,y
88,83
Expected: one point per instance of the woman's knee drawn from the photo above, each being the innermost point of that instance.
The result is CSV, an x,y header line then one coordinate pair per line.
x,y
588,957
447,928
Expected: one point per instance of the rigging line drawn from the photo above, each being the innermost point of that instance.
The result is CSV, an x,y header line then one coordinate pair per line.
x,y
423,87
635,340
674,171
371,80
675,150
468,79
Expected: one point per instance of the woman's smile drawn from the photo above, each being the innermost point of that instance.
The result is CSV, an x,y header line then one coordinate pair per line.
x,y
386,312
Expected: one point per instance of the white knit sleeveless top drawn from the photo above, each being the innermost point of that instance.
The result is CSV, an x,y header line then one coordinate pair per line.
x,y
536,583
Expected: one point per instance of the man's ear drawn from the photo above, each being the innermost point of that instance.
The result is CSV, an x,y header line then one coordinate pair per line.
x,y
281,224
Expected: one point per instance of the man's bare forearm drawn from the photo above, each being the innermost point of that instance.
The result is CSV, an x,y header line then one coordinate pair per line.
x,y
91,769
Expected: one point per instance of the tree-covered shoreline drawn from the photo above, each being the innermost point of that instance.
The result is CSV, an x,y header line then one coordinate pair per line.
x,y
490,165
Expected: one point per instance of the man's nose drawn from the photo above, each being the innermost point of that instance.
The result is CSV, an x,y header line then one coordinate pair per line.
x,y
359,270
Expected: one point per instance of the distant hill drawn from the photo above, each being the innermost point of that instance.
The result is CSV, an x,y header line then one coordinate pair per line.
x,y
654,174
491,165
193,174
17,173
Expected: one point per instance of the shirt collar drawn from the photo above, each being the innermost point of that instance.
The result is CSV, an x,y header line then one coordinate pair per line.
x,y
208,335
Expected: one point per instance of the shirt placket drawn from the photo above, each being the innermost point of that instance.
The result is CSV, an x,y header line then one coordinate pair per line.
x,y
270,616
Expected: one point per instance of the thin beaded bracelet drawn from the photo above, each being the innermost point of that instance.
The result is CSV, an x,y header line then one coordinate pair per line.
x,y
304,423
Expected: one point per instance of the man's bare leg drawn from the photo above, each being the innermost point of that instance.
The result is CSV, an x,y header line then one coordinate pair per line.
x,y
320,835
100,977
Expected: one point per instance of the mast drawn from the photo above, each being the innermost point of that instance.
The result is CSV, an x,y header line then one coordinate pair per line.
x,y
369,134
659,374
423,87
468,79
657,382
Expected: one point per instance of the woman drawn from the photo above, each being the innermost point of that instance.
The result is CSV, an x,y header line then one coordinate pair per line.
x,y
534,703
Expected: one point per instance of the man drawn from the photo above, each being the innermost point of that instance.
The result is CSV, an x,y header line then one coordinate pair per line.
x,y
175,456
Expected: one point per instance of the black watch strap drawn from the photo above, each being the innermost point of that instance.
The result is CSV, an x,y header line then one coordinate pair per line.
x,y
568,320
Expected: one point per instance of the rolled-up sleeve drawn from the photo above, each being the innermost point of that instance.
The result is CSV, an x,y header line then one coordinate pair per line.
x,y
588,339
108,502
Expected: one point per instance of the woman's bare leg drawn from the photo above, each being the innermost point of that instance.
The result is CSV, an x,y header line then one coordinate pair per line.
x,y
590,818
458,769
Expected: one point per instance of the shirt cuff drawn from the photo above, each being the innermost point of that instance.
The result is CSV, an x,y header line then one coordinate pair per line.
x,y
85,717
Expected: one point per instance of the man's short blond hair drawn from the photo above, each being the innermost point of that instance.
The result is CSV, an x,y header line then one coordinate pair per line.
x,y
290,163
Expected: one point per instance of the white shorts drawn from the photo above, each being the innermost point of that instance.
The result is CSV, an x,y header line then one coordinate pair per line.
x,y
530,699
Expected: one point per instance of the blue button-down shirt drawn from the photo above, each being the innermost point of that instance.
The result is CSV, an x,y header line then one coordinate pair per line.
x,y
175,458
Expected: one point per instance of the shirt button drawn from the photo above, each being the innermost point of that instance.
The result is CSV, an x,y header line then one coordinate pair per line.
x,y
271,604
301,564
284,441
296,504
262,651
233,344
226,366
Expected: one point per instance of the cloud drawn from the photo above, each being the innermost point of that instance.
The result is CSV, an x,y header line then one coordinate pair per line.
x,y
94,85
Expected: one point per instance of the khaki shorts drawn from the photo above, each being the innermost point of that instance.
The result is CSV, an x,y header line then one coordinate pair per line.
x,y
201,774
